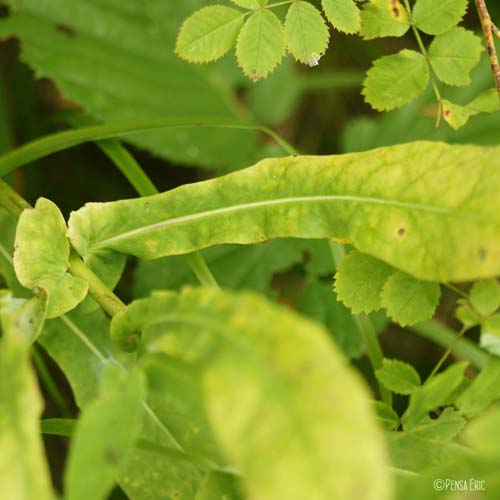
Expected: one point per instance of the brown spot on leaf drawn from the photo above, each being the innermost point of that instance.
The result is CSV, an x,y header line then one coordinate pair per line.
x,y
401,231
67,30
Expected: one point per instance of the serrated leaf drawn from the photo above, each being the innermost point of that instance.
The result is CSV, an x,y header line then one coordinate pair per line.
x,y
434,393
387,417
466,315
485,296
261,44
490,335
343,14
409,300
41,258
245,360
250,4
483,391
454,54
455,115
451,190
140,77
359,282
395,80
24,474
306,33
398,377
209,33
381,18
435,18
105,436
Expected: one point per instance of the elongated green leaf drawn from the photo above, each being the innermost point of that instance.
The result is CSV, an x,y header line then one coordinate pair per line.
x,y
454,54
250,4
209,33
381,18
261,44
343,14
359,282
41,258
395,80
444,226
435,18
306,33
433,394
218,486
139,76
266,382
408,300
386,416
105,436
398,377
24,473
7,232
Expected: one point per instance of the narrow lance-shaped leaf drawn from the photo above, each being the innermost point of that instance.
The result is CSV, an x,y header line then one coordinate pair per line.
x,y
263,377
24,473
444,226
41,258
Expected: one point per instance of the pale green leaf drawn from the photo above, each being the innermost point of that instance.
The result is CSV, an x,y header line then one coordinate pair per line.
x,y
434,393
261,44
443,227
398,377
454,54
409,300
381,18
483,391
209,33
250,4
455,115
435,18
218,486
117,60
7,232
395,80
41,258
343,14
259,394
359,282
485,296
23,317
481,434
306,33
386,416
490,335
485,102
105,435
466,314
24,474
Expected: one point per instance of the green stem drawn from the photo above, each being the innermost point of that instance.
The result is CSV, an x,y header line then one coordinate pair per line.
x,y
201,270
97,289
448,338
11,201
365,327
63,140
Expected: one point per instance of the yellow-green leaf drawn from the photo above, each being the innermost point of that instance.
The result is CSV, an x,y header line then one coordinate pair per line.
x,y
435,18
343,14
306,33
261,44
209,33
41,258
381,18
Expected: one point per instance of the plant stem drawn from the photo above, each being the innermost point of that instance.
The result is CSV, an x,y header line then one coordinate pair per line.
x,y
489,29
97,289
366,329
448,338
63,140
201,270
11,201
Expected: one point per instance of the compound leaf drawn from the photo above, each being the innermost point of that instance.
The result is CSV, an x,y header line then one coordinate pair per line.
x,y
209,33
395,80
381,18
451,191
435,18
261,376
261,44
343,14
41,258
306,33
409,300
398,377
454,54
359,282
